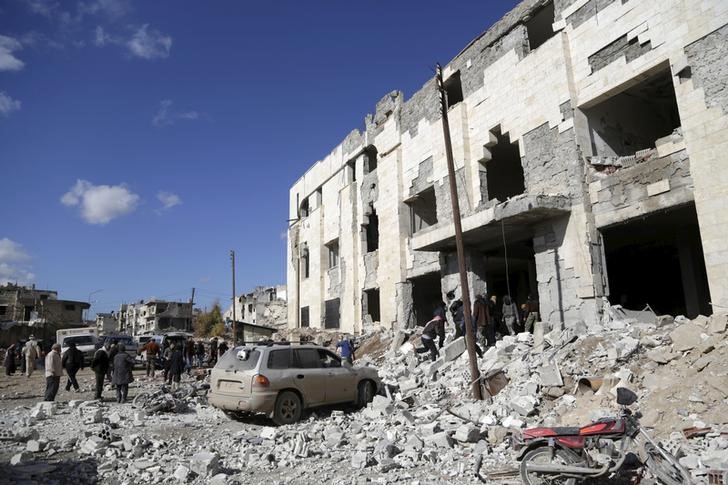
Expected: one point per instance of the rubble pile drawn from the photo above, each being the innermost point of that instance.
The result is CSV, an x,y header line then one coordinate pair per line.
x,y
423,427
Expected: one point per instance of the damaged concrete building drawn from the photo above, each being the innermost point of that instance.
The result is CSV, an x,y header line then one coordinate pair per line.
x,y
154,316
265,305
590,141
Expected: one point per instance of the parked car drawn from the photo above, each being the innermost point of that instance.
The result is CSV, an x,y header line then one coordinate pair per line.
x,y
281,380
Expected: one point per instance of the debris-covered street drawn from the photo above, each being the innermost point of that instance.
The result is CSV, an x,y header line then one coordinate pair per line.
x,y
423,430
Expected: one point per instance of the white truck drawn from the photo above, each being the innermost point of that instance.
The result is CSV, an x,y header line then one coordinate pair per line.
x,y
85,339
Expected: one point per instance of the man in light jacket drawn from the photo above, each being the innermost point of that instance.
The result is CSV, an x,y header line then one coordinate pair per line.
x,y
31,353
53,372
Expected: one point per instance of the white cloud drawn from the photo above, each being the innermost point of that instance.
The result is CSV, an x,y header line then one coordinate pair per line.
x,y
45,8
100,204
8,104
168,199
8,62
166,116
14,263
111,8
149,44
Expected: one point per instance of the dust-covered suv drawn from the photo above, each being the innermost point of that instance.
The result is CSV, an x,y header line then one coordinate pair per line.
x,y
280,380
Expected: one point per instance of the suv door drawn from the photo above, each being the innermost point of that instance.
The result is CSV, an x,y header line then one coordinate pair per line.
x,y
309,376
341,384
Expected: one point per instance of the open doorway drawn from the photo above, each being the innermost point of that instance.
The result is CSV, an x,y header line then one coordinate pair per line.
x,y
371,304
511,271
657,260
426,294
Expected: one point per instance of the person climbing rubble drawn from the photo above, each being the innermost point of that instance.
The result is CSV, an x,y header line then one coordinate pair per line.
x,y
532,313
458,317
53,372
510,315
433,327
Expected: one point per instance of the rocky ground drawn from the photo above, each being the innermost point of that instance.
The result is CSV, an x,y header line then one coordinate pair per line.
x,y
423,429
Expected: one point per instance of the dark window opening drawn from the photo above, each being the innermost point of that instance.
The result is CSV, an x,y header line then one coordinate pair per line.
x,y
331,317
305,262
426,294
371,228
516,276
163,322
70,308
304,208
351,171
250,308
454,90
504,172
27,312
658,261
3,310
539,26
333,250
370,159
43,297
371,302
423,210
304,317
633,119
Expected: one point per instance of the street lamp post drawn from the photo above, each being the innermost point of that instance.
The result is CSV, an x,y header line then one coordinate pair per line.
x,y
89,301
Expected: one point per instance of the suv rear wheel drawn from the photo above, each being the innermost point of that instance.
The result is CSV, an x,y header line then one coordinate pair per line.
x,y
288,408
366,393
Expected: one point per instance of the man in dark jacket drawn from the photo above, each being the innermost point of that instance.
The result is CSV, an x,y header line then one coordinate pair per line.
x,y
436,326
213,351
483,321
123,364
200,354
112,354
458,317
176,365
100,365
72,361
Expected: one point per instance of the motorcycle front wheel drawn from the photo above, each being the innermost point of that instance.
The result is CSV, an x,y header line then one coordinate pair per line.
x,y
542,456
668,471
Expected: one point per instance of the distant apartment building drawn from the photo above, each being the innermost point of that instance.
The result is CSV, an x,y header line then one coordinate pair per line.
x,y
106,323
154,316
25,310
590,146
265,305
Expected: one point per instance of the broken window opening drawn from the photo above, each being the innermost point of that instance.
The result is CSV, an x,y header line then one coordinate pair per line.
x,y
504,172
635,118
517,277
333,250
423,210
331,316
303,210
3,310
426,295
657,260
304,317
351,171
371,229
453,89
304,262
539,26
370,159
371,301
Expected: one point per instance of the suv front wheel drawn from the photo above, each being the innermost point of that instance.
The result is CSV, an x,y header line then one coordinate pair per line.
x,y
288,408
366,393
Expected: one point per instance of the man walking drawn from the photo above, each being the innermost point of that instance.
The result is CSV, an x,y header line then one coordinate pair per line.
x,y
436,326
53,372
31,353
510,314
100,365
123,364
72,361
176,365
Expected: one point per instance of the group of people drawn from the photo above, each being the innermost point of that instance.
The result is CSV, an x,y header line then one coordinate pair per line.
x,y
24,356
175,358
489,319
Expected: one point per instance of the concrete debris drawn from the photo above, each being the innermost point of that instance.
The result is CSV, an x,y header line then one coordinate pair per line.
x,y
205,463
686,337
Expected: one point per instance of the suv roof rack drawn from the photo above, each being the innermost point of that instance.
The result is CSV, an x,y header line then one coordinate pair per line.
x,y
270,343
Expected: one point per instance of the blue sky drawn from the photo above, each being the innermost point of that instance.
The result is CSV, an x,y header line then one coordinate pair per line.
x,y
140,141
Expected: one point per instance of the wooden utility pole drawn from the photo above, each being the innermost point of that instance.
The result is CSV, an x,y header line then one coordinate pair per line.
x,y
235,325
469,332
192,310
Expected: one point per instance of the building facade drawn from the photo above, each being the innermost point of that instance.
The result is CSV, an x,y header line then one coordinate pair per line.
x,y
265,305
106,323
154,317
590,141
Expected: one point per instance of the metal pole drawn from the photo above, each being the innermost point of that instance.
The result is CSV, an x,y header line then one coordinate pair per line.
x,y
192,311
469,333
235,325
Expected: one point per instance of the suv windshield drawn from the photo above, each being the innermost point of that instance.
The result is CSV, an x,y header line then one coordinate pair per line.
x,y
82,340
230,361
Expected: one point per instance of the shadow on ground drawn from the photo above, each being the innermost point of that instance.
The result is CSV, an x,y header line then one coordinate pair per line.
x,y
62,471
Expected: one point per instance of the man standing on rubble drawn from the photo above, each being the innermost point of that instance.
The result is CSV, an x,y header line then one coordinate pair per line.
x,y
483,321
510,314
176,365
433,327
200,354
112,355
100,366
123,364
53,372
152,350
346,349
72,361
532,312
213,351
30,351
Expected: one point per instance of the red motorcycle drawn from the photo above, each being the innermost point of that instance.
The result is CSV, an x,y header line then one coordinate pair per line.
x,y
568,455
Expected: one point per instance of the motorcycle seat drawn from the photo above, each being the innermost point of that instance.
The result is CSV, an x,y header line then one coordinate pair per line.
x,y
566,430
